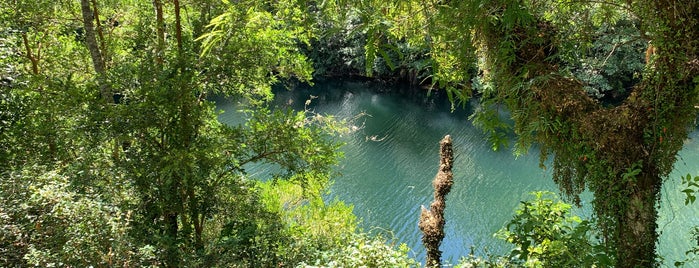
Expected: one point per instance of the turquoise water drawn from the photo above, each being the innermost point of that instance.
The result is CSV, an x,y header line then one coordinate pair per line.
x,y
392,157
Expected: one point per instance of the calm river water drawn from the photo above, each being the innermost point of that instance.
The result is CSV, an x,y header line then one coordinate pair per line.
x,y
391,160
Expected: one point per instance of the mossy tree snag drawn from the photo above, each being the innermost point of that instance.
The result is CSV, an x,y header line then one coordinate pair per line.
x,y
432,221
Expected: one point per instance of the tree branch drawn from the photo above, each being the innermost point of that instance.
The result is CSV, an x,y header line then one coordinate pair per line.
x,y
260,156
30,56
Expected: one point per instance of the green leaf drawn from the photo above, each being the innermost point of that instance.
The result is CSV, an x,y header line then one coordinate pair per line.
x,y
387,58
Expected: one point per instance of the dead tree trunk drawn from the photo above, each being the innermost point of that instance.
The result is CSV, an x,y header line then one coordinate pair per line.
x,y
432,221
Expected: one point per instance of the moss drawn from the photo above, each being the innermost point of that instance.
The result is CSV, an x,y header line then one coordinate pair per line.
x,y
432,221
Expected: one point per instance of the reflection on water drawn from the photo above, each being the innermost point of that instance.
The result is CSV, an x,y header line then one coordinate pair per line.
x,y
390,163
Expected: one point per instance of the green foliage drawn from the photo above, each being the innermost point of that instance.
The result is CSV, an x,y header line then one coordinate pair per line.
x,y
411,29
691,187
357,42
308,215
362,251
293,141
47,223
491,261
152,178
693,253
292,228
546,235
324,234
264,48
339,50
247,233
614,60
489,120
159,153
620,151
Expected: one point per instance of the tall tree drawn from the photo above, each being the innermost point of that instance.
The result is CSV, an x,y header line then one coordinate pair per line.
x,y
622,153
179,177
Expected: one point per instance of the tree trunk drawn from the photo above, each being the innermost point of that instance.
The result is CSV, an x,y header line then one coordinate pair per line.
x,y
160,31
172,256
637,234
178,28
95,53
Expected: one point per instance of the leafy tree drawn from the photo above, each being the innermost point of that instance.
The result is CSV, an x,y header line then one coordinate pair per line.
x,y
111,98
178,155
621,153
324,234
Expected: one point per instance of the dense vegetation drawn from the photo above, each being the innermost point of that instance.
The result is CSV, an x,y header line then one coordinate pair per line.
x,y
620,150
112,154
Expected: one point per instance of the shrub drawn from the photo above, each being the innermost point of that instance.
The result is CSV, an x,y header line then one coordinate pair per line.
x,y
546,235
45,223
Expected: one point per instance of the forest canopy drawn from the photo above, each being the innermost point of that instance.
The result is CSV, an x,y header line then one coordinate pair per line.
x,y
113,154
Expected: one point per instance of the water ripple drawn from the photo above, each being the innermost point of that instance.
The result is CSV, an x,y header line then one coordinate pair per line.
x,y
388,177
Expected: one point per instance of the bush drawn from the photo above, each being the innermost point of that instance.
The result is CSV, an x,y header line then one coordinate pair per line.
x,y
546,235
326,234
45,223
361,250
278,223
